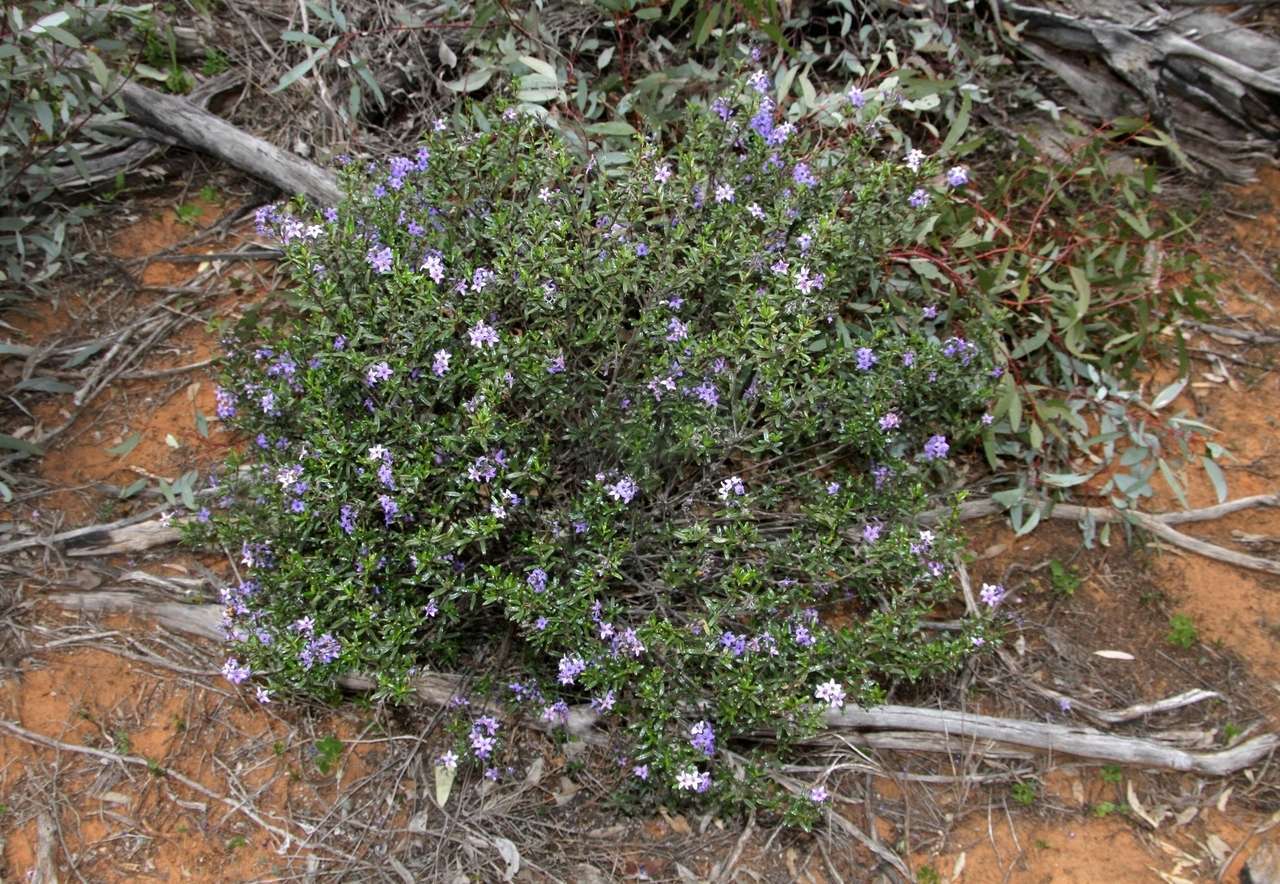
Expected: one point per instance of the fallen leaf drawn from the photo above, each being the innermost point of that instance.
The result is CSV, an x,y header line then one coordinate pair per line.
x,y
510,855
444,783
1113,655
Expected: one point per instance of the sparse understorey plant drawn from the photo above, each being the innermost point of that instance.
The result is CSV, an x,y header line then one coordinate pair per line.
x,y
662,435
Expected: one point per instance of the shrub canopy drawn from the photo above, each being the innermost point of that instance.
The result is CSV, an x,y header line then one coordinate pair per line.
x,y
664,430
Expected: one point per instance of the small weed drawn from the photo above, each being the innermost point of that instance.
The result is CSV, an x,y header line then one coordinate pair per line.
x,y
1112,774
278,747
1106,808
1063,579
179,724
928,875
1182,632
1230,731
209,193
1023,793
237,842
154,768
1041,844
328,751
188,213
120,741
4,808
214,63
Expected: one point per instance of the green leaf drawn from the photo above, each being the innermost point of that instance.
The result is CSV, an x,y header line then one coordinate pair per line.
x,y
295,73
1217,477
471,81
959,125
1031,344
202,424
605,57
1083,292
13,443
132,489
1029,525
1064,480
46,385
1172,481
126,446
1168,394
613,127
539,66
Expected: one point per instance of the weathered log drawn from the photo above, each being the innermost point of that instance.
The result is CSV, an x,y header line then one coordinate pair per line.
x,y
209,133
1211,82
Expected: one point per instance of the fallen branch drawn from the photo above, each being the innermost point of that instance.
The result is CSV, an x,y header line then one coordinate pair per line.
x,y
1058,738
907,727
209,133
1158,524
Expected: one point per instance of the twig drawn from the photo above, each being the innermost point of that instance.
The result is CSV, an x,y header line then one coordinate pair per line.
x,y
727,869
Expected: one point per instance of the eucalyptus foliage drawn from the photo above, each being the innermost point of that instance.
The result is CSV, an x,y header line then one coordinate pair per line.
x,y
58,97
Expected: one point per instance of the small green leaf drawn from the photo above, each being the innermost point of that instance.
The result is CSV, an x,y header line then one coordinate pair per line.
x,y
202,424
46,385
958,126
15,444
126,446
132,489
613,127
1217,477
1064,480
539,66
1168,394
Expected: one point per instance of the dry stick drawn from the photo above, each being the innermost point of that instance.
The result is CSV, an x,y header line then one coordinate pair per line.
x,y
1065,739
727,869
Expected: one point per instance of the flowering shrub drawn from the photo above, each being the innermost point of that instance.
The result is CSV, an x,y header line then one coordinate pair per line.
x,y
652,427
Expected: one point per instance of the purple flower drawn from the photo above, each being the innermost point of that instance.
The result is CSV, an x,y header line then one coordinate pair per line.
x,y
322,649
262,695
833,488
818,794
992,594
433,263
483,335
988,420
225,403
806,284
722,109
871,532
803,637
440,363
759,81
640,772
913,159
234,672
537,579
481,278
540,624
958,176
919,198
347,518
856,97
622,490
340,342
803,176
571,666
724,193
379,371
936,448
703,738
866,358
706,391
379,259
604,703
692,780
731,487
448,760
430,609
390,509
676,330
641,250
830,693
662,173
890,421
556,366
